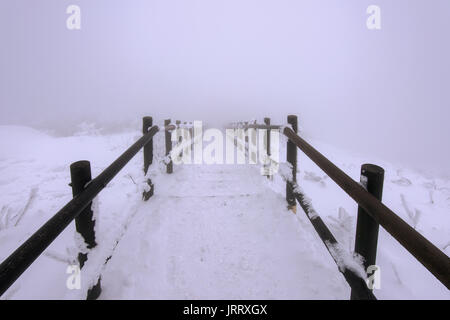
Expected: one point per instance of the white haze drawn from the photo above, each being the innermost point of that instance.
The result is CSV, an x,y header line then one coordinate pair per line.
x,y
382,93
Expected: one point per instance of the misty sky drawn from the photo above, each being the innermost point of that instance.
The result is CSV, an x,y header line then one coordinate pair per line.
x,y
383,92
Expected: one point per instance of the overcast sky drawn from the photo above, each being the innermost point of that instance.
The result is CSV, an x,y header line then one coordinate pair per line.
x,y
224,60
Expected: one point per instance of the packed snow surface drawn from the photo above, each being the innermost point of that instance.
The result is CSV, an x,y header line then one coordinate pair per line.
x,y
210,231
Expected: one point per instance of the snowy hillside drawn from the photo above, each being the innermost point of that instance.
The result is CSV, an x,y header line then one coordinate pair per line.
x,y
210,231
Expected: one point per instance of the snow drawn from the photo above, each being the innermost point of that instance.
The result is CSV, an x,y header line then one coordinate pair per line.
x,y
346,261
216,233
210,231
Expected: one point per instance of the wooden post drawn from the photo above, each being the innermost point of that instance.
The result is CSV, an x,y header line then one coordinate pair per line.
x,y
267,122
80,173
268,165
246,131
254,143
169,166
366,240
180,137
147,123
291,158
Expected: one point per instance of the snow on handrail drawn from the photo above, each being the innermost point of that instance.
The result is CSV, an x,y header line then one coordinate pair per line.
x,y
13,266
437,262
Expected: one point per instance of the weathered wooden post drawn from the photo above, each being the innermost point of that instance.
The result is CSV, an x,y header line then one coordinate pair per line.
x,y
267,122
269,165
366,240
291,157
169,166
147,123
80,173
254,154
246,132
180,137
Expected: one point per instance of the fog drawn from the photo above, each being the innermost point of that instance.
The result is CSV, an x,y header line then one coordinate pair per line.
x,y
379,92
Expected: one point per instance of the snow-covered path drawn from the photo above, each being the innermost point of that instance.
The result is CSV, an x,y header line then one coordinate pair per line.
x,y
209,231
218,232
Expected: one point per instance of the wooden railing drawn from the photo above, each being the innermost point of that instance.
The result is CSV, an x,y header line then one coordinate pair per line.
x,y
372,213
79,209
